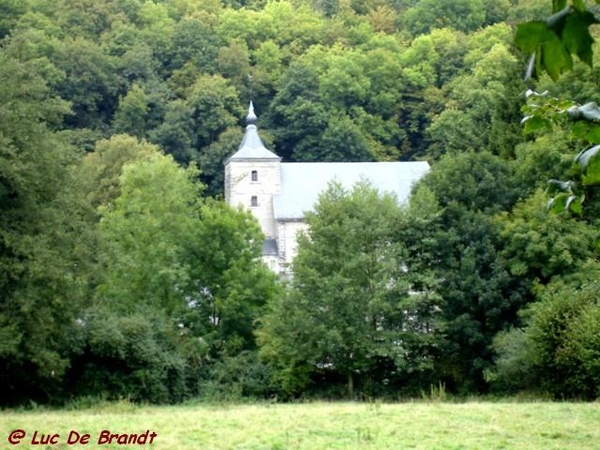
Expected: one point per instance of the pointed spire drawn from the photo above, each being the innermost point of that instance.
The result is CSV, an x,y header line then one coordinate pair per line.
x,y
252,146
251,118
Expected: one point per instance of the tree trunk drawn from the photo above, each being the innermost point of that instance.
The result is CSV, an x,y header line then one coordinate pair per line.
x,y
350,385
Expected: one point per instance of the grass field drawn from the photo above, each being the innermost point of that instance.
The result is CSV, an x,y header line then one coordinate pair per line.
x,y
418,425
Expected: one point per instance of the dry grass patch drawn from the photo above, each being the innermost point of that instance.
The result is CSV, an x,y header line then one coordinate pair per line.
x,y
318,426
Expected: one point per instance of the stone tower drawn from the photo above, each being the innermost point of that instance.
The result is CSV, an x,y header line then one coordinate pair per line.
x,y
253,177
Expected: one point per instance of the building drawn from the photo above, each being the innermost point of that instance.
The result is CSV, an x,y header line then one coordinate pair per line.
x,y
278,193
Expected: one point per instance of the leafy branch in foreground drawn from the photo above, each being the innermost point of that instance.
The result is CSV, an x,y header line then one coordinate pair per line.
x,y
543,112
552,42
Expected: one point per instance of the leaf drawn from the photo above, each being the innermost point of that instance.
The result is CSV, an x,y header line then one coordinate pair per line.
x,y
592,174
530,72
566,202
579,130
557,5
584,157
589,111
576,35
557,21
589,161
593,135
559,203
535,123
575,204
551,43
530,35
559,186
555,57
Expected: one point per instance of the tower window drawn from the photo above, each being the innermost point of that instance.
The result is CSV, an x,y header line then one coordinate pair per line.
x,y
254,200
254,175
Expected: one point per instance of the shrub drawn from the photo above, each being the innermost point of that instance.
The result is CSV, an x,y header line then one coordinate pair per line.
x,y
134,357
559,350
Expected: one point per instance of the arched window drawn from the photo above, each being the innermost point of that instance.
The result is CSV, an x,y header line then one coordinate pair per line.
x,y
254,175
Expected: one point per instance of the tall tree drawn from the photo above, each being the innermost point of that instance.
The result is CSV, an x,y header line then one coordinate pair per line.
x,y
145,233
350,314
479,297
229,284
41,285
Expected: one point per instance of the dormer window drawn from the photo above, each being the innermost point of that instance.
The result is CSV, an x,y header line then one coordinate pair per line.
x,y
254,200
254,175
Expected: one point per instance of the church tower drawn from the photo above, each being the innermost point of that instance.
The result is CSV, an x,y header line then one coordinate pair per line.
x,y
253,177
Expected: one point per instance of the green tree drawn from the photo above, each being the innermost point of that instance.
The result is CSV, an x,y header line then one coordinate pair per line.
x,y
215,105
175,135
10,11
212,158
541,246
479,298
296,115
350,316
100,171
139,356
228,283
463,15
144,235
557,352
131,116
482,108
193,40
92,84
41,283
233,62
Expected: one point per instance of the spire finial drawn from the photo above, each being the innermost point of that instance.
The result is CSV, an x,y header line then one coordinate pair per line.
x,y
251,118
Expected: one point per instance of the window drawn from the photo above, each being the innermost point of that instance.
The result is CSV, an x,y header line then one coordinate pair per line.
x,y
254,175
254,200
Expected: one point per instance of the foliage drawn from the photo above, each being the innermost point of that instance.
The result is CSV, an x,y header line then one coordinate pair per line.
x,y
134,356
542,246
228,285
238,378
463,15
547,113
144,234
558,350
106,107
351,312
40,277
478,296
552,42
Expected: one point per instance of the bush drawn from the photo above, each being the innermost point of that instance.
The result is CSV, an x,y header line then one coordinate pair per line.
x,y
135,357
559,351
234,378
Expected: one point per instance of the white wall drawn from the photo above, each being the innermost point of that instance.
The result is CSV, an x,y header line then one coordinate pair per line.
x,y
239,189
287,238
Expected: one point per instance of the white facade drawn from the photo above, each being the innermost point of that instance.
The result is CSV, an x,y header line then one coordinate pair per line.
x,y
287,240
253,184
278,194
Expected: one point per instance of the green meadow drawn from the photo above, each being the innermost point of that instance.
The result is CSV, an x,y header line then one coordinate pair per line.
x,y
313,426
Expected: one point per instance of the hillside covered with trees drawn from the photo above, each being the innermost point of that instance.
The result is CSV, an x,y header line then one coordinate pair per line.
x,y
123,274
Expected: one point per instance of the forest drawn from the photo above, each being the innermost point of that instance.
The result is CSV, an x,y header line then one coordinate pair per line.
x,y
123,273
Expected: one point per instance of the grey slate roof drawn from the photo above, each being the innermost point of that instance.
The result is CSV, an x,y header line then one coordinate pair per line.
x,y
301,183
270,247
252,146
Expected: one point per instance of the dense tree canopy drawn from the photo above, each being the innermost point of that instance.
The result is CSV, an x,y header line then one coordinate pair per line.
x,y
122,273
